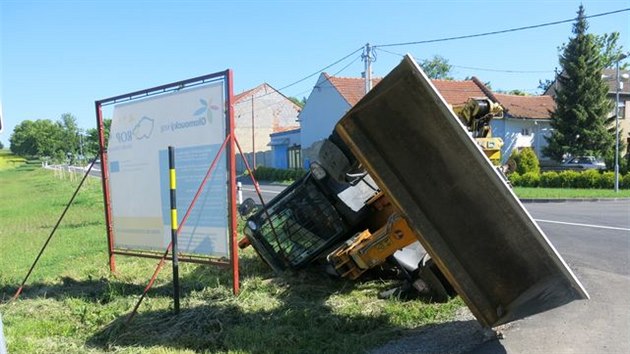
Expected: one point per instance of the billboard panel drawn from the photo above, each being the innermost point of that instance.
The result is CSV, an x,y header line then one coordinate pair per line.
x,y
194,122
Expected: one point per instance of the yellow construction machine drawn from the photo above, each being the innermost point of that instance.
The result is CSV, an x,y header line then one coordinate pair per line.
x,y
375,233
369,249
401,183
476,115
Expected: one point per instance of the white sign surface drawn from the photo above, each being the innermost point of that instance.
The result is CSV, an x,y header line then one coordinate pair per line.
x,y
193,121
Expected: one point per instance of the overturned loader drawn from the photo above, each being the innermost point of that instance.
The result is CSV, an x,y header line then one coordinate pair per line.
x,y
404,179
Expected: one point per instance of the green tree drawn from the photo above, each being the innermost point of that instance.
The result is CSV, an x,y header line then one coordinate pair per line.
x,y
45,138
1,145
543,85
298,102
91,146
610,50
516,92
41,138
580,120
437,68
70,139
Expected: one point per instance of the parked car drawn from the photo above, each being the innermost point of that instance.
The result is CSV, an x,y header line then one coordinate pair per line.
x,y
584,163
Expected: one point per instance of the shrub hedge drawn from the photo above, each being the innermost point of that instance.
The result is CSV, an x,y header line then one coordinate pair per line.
x,y
263,173
588,179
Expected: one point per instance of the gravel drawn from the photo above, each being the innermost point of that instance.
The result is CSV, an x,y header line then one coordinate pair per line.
x,y
461,335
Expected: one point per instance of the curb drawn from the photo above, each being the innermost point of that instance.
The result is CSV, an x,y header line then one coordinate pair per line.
x,y
569,200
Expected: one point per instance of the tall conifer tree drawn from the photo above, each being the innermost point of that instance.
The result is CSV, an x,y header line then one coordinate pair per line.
x,y
581,117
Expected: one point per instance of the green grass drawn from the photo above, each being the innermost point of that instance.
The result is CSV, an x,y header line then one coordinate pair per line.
x,y
8,160
72,304
559,193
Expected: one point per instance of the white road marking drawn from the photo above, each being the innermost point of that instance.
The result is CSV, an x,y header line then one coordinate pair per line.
x,y
262,191
584,225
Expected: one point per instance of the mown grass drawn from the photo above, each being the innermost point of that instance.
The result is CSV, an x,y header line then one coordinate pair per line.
x,y
8,160
568,193
72,304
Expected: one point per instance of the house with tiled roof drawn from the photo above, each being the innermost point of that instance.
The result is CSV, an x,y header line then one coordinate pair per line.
x,y
526,122
333,96
258,113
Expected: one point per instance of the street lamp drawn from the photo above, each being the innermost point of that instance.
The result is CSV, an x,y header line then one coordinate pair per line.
x,y
620,58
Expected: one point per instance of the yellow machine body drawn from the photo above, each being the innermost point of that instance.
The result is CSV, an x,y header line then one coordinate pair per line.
x,y
367,250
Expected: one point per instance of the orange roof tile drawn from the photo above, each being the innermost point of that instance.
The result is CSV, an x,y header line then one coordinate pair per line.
x,y
458,92
533,107
352,89
285,129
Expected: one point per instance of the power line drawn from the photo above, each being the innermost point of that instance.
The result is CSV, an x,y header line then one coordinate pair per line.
x,y
322,69
504,71
303,92
317,72
480,69
380,46
498,32
345,67
389,52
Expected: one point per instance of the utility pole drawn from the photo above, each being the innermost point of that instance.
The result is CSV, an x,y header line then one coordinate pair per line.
x,y
368,58
253,137
81,144
618,87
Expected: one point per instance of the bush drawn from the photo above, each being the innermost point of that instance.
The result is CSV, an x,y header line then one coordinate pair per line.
x,y
587,179
550,180
606,180
525,161
528,162
530,179
609,159
263,173
515,179
567,179
514,160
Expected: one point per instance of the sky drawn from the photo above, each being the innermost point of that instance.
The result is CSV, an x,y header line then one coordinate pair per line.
x,y
60,56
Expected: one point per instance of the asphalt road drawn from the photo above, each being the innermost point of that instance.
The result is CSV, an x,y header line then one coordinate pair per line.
x,y
594,239
268,190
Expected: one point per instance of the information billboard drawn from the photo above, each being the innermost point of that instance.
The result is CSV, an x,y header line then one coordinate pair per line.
x,y
194,122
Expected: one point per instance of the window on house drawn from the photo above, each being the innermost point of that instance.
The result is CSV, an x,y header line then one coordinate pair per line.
x,y
295,157
622,110
525,132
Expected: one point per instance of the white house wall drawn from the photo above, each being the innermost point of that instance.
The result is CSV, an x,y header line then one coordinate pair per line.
x,y
324,107
521,133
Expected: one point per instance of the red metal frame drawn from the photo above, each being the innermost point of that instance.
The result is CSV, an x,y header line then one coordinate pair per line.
x,y
232,200
105,182
228,144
